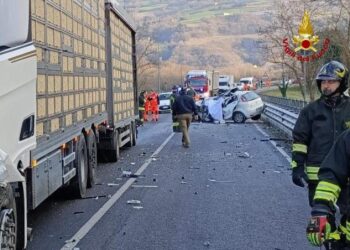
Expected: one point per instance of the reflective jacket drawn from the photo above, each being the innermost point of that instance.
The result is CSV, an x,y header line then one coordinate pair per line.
x,y
333,178
318,126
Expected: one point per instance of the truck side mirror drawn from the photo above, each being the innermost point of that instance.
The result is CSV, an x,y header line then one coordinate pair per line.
x,y
14,22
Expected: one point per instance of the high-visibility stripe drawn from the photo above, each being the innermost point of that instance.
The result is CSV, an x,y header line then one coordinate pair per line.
x,y
175,124
312,172
347,230
297,147
327,191
293,164
141,108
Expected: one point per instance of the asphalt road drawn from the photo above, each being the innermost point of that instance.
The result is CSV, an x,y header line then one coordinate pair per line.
x,y
230,190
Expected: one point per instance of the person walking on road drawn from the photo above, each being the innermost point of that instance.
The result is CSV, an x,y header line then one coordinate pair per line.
x,y
184,107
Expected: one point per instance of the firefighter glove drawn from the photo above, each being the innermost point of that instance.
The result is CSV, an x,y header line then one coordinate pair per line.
x,y
318,230
298,175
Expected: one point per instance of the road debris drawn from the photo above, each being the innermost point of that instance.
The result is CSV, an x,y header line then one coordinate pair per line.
x,y
133,202
79,212
137,207
244,155
112,184
213,180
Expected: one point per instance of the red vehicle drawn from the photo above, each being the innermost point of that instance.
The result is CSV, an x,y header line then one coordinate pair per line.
x,y
205,83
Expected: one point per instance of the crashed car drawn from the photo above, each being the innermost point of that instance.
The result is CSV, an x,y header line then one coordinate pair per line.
x,y
233,105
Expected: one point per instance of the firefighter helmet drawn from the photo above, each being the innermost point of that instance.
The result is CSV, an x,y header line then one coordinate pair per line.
x,y
333,70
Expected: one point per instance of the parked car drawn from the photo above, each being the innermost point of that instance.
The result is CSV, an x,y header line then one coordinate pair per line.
x,y
164,102
238,106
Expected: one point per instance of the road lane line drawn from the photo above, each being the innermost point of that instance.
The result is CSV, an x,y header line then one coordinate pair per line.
x,y
83,231
274,144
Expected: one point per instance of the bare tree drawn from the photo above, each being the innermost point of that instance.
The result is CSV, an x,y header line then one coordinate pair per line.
x,y
285,21
146,52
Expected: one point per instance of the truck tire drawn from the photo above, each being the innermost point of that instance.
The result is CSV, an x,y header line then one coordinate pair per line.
x,y
238,117
114,154
79,182
132,135
8,221
92,159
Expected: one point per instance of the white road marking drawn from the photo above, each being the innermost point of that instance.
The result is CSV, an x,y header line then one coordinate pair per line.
x,y
144,186
274,144
83,231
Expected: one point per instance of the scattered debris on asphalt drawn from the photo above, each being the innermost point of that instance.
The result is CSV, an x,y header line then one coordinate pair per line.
x,y
213,180
244,155
79,212
133,202
137,207
112,184
206,243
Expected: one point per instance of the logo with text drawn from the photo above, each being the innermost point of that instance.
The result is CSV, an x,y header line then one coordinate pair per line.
x,y
304,48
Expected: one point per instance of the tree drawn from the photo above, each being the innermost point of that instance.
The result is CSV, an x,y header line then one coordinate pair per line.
x,y
285,20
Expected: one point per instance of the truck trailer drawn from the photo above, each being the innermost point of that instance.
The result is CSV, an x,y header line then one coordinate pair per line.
x,y
68,97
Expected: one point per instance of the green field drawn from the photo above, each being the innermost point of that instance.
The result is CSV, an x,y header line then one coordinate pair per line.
x,y
190,16
293,92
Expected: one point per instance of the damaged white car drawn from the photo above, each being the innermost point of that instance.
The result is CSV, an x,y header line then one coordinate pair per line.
x,y
233,105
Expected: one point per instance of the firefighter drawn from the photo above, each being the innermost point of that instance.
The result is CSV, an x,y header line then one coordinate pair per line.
x,y
318,126
312,139
147,106
141,107
333,181
154,102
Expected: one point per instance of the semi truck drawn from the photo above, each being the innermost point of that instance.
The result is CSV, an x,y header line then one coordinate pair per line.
x,y
68,92
226,82
204,82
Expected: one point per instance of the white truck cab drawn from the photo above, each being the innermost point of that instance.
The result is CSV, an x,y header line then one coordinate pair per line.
x,y
17,113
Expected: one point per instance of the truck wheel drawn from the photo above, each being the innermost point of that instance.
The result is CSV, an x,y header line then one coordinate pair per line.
x,y
238,117
92,156
113,155
81,165
132,135
8,222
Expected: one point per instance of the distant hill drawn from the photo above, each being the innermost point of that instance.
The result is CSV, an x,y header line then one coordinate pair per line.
x,y
220,34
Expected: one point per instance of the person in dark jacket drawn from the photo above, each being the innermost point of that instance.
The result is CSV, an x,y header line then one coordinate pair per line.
x,y
141,107
333,180
319,124
184,107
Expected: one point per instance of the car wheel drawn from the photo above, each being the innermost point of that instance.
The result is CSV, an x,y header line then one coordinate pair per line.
x,y
238,117
257,117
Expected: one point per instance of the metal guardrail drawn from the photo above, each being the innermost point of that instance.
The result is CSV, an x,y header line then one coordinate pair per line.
x,y
280,117
288,104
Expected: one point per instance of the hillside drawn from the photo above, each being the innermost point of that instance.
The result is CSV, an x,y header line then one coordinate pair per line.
x,y
220,34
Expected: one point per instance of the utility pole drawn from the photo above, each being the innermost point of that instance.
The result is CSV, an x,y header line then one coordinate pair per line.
x,y
159,59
